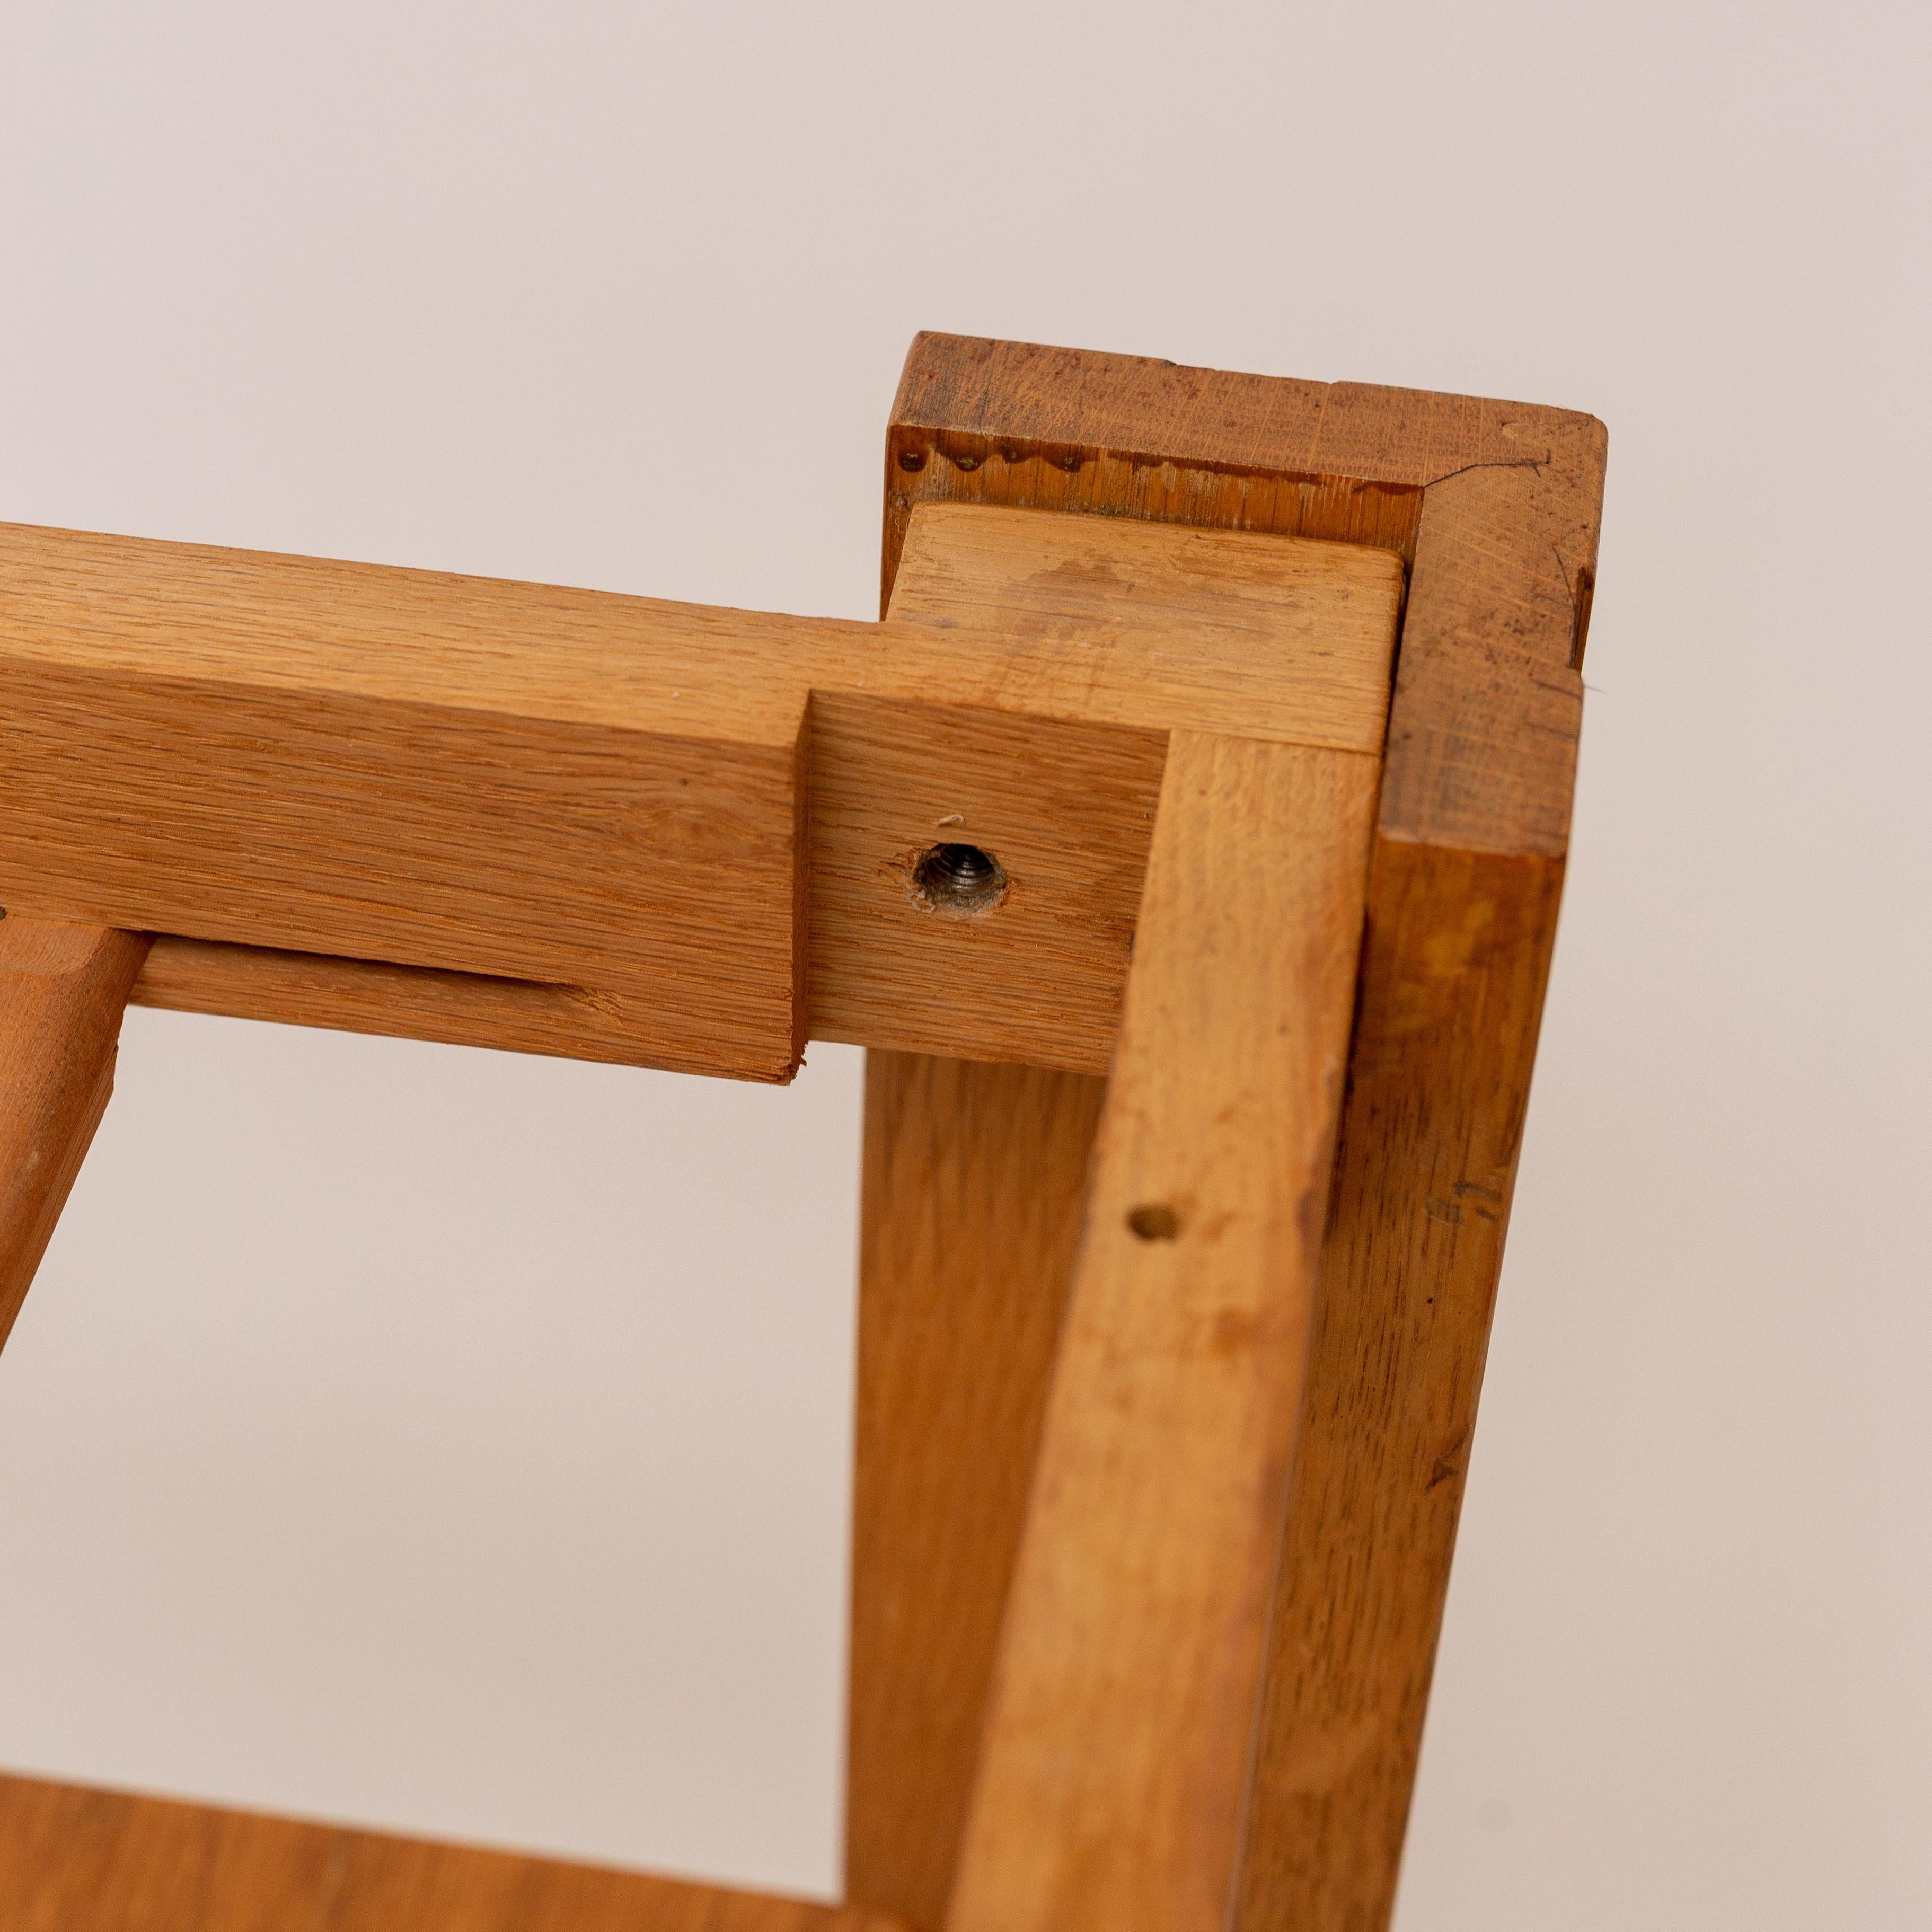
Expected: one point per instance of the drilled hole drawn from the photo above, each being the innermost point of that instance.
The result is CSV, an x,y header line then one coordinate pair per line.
x,y
1156,1222
959,879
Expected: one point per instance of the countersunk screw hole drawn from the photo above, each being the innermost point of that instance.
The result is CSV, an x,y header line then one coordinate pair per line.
x,y
912,459
1156,1222
959,879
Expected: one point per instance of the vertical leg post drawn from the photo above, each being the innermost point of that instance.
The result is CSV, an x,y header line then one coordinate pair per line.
x,y
973,1177
63,989
1497,506
1120,1728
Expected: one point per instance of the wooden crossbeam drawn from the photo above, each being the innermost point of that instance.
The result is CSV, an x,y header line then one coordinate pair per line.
x,y
644,832
73,1859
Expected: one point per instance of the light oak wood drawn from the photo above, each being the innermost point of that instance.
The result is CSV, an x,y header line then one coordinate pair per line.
x,y
1067,809
63,989
76,1860
1497,504
971,1192
312,768
568,788
1510,493
259,982
1213,630
1120,1724
974,1177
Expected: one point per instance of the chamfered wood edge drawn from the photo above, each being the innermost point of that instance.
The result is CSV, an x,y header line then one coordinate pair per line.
x,y
1495,506
77,1855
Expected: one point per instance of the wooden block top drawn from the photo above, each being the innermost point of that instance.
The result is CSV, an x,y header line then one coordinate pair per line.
x,y
1495,505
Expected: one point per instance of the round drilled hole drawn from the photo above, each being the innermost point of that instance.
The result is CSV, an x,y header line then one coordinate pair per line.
x,y
959,879
1155,1222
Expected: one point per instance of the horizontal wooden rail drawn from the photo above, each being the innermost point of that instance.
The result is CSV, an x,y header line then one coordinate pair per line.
x,y
72,1859
654,832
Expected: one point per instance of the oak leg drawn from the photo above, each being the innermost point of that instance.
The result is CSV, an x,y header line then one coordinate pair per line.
x,y
1120,1726
63,989
973,1175
1452,984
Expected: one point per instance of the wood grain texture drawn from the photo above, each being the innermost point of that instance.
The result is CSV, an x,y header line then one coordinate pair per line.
x,y
420,770
63,989
1452,981
1498,505
1490,692
1068,811
1215,628
974,1176
1162,626
77,1860
564,788
1121,1719
259,982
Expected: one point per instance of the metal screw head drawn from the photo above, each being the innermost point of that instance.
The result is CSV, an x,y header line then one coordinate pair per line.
x,y
961,880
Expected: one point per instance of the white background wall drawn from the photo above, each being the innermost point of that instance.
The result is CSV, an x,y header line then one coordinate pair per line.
x,y
445,1440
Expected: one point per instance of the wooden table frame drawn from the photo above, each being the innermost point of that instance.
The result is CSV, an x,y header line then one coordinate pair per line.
x,y
1143,1278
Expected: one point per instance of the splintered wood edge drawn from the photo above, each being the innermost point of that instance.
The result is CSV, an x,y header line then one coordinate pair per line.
x,y
1495,505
